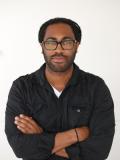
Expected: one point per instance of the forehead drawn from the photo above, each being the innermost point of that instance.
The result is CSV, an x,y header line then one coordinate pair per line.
x,y
59,31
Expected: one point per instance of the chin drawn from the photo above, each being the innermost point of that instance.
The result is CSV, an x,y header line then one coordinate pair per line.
x,y
59,67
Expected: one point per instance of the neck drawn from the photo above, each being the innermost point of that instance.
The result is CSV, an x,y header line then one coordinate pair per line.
x,y
58,79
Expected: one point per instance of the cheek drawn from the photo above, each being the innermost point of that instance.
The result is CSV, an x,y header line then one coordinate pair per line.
x,y
48,52
47,55
70,52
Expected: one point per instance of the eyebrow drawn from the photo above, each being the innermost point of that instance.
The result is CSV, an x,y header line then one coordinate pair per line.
x,y
55,39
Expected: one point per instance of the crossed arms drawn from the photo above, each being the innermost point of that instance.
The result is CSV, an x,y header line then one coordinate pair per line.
x,y
62,140
29,141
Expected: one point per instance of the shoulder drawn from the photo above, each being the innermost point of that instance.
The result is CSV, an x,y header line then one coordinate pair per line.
x,y
97,87
94,83
25,81
91,78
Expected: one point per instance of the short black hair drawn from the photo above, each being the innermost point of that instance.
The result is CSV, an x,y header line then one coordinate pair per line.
x,y
75,27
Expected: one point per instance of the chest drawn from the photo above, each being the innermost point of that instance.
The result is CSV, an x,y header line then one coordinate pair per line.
x,y
71,109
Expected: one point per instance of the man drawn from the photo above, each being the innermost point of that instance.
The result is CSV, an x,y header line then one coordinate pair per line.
x,y
60,112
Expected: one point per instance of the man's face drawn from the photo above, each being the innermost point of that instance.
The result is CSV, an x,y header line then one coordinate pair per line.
x,y
59,60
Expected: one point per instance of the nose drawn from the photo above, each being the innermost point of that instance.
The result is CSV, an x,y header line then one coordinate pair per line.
x,y
59,47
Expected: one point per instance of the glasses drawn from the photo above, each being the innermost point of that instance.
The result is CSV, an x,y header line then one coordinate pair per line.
x,y
65,44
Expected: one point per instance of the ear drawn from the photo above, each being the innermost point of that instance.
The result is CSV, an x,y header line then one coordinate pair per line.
x,y
42,51
77,45
41,47
41,44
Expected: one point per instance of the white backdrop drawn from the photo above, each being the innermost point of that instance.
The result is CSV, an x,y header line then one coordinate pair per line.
x,y
20,53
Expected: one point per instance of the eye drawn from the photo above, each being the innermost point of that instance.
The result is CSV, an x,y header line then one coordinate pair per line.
x,y
50,42
50,45
67,42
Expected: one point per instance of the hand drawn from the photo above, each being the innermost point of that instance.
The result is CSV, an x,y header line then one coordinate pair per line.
x,y
62,153
27,125
83,133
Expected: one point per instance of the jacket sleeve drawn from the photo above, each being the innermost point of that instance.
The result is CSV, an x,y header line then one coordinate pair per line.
x,y
102,127
33,146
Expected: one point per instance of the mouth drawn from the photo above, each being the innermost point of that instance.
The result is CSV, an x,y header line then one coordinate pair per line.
x,y
58,59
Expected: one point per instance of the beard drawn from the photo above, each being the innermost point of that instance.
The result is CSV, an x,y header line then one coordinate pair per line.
x,y
59,67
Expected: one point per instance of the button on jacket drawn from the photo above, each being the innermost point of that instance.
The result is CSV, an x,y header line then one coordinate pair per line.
x,y
85,101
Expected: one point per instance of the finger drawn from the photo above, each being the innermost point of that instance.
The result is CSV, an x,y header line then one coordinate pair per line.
x,y
28,119
27,130
30,128
23,130
32,123
27,127
20,124
27,123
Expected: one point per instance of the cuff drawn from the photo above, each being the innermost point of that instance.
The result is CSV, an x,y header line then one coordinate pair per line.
x,y
73,152
46,141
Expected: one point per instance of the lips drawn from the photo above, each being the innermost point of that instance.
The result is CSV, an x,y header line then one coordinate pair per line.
x,y
58,59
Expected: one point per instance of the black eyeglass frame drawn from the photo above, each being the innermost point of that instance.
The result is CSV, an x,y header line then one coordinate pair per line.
x,y
59,42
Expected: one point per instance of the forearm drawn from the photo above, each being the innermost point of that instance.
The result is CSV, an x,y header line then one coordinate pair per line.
x,y
78,134
67,138
31,145
64,139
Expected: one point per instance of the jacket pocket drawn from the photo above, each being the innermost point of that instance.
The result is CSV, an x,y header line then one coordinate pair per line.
x,y
79,115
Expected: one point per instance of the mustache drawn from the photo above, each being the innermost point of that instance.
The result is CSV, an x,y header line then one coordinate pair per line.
x,y
58,55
